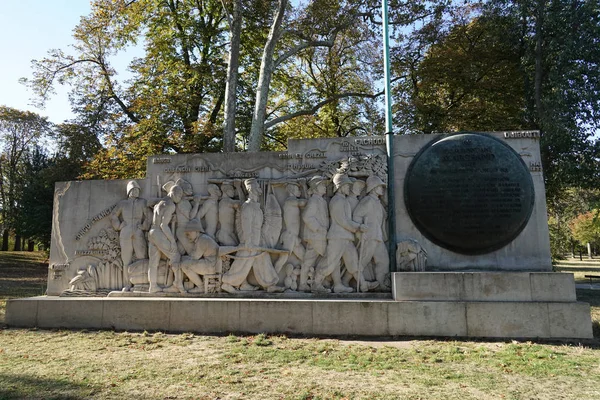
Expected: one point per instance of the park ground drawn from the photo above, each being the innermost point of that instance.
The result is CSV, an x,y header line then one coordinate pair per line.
x,y
64,364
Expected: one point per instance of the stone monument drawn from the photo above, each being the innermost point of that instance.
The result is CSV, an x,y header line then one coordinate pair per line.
x,y
297,242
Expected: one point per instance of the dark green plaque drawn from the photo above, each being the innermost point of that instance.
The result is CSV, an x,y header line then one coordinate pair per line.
x,y
470,193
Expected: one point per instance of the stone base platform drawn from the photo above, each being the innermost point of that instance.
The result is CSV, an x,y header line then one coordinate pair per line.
x,y
465,304
375,318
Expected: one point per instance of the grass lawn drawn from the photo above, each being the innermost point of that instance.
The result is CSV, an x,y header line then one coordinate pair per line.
x,y
45,364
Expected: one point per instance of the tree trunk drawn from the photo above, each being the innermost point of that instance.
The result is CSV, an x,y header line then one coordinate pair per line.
x,y
539,38
5,240
232,78
17,242
264,80
30,245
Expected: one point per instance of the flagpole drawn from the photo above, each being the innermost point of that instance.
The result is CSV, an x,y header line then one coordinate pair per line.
x,y
389,134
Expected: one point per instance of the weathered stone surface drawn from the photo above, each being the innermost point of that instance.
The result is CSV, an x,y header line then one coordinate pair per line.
x,y
508,319
427,318
322,317
570,320
136,314
22,312
69,313
483,286
429,286
551,286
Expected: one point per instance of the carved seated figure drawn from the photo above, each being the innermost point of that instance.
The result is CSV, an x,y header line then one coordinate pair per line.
x,y
203,259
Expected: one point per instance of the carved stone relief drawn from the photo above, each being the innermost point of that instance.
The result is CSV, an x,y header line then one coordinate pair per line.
x,y
320,231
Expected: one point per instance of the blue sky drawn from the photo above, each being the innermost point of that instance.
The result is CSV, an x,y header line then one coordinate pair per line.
x,y
28,29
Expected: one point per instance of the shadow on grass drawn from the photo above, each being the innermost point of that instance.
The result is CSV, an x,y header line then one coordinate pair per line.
x,y
31,387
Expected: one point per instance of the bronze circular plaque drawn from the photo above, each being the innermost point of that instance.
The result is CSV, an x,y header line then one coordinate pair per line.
x,y
470,193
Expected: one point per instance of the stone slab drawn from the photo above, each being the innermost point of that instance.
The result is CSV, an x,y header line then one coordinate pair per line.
x,y
553,287
483,286
427,318
568,319
375,318
136,314
497,320
70,313
22,312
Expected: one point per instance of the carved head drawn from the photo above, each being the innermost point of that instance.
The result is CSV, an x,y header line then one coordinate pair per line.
x,y
357,187
227,190
133,189
186,186
175,193
253,188
342,183
214,190
193,229
374,182
293,189
317,182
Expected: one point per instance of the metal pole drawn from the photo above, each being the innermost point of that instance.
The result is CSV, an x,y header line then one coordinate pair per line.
x,y
389,134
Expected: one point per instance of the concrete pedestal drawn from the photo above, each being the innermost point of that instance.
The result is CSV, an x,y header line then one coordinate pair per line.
x,y
484,305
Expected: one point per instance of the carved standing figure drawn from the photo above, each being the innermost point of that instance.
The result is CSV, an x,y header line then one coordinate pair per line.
x,y
251,256
290,238
161,238
210,210
358,186
184,211
316,223
131,218
226,235
340,240
371,213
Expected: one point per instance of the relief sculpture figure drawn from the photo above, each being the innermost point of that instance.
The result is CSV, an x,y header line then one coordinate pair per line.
x,y
210,210
340,240
251,256
184,212
202,260
316,223
226,235
290,238
358,186
161,237
131,219
371,213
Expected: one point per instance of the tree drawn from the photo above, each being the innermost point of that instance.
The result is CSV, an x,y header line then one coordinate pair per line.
x,y
318,26
173,101
234,19
501,65
586,228
471,79
20,131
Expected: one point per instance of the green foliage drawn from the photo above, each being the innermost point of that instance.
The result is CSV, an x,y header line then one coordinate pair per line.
x,y
586,228
20,131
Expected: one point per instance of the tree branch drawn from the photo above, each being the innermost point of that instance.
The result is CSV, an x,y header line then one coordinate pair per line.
x,y
300,47
315,108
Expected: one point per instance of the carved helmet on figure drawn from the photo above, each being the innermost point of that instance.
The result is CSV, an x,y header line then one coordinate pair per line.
x,y
340,180
374,181
315,180
132,185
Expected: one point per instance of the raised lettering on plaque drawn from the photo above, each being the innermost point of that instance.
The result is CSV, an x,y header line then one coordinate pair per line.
x,y
469,193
